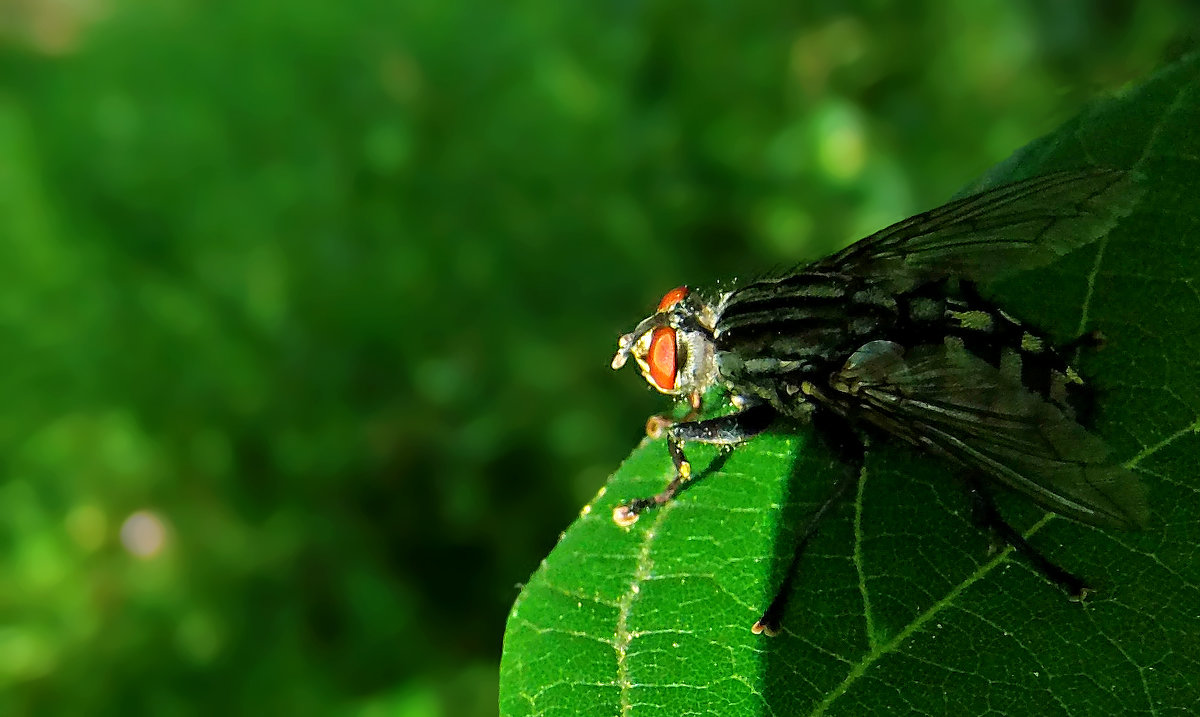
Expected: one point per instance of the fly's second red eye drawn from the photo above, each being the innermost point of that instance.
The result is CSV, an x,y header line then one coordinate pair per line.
x,y
661,358
674,296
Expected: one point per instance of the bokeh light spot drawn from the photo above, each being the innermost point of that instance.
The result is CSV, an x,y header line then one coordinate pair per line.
x,y
144,534
841,142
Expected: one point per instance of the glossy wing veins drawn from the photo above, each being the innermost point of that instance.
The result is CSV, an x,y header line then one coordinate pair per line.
x,y
950,402
1009,228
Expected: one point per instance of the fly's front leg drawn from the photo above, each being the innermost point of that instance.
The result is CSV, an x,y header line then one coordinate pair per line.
x,y
722,431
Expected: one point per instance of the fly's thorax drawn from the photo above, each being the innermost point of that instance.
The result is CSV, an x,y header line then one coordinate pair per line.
x,y
776,333
673,347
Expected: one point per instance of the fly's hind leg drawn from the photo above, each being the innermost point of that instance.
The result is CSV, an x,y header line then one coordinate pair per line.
x,y
986,516
728,430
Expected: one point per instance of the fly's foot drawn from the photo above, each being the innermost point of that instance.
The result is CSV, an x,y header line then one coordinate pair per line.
x,y
656,426
765,626
627,514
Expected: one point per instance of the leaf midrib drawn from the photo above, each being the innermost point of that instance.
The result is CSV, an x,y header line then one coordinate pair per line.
x,y
623,638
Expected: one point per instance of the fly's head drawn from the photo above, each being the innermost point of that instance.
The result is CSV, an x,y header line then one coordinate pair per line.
x,y
673,347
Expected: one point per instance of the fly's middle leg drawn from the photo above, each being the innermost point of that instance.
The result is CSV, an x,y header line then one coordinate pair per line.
x,y
850,449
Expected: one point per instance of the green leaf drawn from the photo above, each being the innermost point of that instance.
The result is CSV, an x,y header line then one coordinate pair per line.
x,y
899,605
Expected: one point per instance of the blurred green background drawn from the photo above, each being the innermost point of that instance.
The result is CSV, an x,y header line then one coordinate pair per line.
x,y
306,308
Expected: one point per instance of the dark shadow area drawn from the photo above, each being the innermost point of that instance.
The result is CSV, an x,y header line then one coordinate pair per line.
x,y
814,475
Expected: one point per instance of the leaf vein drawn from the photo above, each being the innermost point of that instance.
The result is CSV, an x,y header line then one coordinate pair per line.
x,y
623,636
1192,428
859,670
1141,671
859,565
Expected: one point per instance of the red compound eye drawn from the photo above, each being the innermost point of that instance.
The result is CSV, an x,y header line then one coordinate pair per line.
x,y
674,296
661,358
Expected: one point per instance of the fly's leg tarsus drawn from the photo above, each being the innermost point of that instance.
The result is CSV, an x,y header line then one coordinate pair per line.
x,y
627,514
852,451
728,430
987,517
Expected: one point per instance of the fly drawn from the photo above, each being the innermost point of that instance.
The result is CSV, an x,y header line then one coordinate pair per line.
x,y
890,337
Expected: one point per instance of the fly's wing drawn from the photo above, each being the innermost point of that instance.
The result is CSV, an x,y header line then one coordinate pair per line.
x,y
1016,226
950,402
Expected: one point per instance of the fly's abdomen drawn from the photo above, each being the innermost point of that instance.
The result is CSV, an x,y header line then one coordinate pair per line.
x,y
1020,351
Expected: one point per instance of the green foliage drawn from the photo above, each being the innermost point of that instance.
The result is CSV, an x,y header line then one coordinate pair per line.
x,y
899,606
329,289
